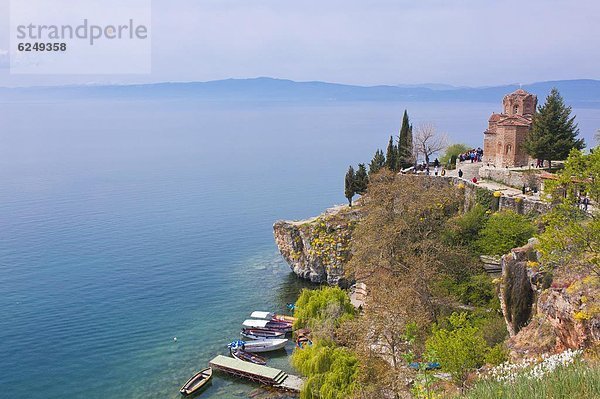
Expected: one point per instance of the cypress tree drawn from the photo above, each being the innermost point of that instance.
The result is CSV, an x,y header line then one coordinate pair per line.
x,y
361,179
349,189
391,156
377,162
405,143
554,132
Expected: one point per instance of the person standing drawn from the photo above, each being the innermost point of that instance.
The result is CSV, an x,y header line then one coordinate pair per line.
x,y
586,202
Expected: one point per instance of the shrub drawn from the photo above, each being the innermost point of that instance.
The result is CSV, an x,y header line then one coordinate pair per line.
x,y
323,309
504,230
331,371
458,349
464,229
493,328
478,290
496,355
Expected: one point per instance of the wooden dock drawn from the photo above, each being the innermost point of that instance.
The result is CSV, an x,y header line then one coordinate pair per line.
x,y
254,372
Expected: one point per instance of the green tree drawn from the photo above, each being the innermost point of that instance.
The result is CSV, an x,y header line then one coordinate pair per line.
x,y
554,131
453,150
571,238
459,349
349,189
331,371
322,309
391,156
377,162
405,144
361,179
464,229
503,231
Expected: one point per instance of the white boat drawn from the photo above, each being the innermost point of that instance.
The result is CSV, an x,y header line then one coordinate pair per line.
x,y
268,325
261,345
272,316
258,333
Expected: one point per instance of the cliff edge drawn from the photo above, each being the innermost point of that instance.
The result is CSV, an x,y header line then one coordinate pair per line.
x,y
317,248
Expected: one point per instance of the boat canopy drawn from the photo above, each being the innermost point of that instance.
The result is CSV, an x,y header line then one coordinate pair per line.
x,y
252,323
262,315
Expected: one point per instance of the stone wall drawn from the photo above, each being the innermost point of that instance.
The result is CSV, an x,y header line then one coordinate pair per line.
x,y
475,193
510,177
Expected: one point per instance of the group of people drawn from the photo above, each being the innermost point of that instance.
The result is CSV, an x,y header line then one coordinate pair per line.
x,y
437,168
474,155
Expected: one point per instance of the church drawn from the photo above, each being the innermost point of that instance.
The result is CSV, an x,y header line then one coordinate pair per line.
x,y
503,140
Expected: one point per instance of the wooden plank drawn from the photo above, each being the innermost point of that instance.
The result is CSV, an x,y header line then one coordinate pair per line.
x,y
245,367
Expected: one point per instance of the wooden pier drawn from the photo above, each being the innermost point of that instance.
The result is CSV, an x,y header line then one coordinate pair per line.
x,y
254,372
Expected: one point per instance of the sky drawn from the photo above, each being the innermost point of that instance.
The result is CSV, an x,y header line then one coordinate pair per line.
x,y
458,42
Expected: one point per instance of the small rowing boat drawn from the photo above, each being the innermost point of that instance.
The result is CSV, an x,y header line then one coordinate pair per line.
x,y
197,382
268,325
248,357
272,316
257,333
262,345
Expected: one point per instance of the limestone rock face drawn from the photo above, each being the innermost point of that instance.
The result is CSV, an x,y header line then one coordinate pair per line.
x,y
318,248
574,328
543,317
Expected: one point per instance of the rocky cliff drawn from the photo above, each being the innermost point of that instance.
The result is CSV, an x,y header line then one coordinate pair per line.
x,y
317,248
546,313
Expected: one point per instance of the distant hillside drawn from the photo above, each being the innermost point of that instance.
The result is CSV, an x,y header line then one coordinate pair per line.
x,y
584,92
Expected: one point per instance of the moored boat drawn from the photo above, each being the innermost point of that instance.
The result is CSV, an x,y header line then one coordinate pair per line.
x,y
268,325
258,333
303,341
248,357
197,382
272,316
302,338
262,345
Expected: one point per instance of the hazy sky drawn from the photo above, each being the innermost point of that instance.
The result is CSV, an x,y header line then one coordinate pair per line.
x,y
461,42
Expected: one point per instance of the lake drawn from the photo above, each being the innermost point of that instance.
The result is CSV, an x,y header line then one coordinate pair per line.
x,y
127,224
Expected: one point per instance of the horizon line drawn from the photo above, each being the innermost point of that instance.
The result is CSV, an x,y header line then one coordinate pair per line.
x,y
399,85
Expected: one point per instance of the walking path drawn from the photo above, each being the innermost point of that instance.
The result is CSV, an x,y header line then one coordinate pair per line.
x,y
471,170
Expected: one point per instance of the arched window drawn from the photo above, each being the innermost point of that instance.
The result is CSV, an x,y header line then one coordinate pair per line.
x,y
508,149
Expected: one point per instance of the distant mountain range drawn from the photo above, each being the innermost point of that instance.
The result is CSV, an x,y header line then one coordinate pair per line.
x,y
582,92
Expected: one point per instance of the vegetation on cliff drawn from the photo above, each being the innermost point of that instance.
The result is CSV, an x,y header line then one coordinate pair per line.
x,y
503,231
331,370
417,252
416,280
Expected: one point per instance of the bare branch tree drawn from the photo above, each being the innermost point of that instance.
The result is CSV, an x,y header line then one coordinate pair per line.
x,y
428,141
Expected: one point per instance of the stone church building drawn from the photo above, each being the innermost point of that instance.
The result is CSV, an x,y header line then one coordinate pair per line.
x,y
503,140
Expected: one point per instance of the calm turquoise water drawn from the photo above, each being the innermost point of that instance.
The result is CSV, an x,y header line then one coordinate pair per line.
x,y
124,225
